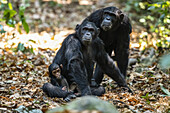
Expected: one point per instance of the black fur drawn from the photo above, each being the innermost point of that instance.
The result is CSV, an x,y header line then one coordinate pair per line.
x,y
77,58
117,38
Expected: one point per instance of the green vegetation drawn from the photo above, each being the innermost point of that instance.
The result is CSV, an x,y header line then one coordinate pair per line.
x,y
9,15
154,15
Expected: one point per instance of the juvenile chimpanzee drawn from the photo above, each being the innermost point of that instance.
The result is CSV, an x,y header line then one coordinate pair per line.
x,y
56,78
115,28
59,80
77,55
59,86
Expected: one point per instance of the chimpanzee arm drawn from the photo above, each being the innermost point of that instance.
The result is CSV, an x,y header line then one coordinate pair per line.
x,y
106,63
54,91
54,80
76,67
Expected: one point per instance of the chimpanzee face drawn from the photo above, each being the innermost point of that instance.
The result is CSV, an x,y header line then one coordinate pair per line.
x,y
88,32
110,19
56,71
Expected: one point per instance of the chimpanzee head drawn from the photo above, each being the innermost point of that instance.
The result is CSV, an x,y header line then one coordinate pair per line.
x,y
111,19
87,32
55,70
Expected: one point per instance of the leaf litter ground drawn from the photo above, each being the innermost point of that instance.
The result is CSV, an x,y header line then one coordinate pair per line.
x,y
23,74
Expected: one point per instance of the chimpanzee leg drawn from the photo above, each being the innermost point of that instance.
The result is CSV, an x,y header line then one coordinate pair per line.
x,y
54,91
122,54
98,75
106,63
78,71
111,70
122,60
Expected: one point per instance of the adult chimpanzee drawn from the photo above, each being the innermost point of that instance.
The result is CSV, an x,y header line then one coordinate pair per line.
x,y
78,53
115,28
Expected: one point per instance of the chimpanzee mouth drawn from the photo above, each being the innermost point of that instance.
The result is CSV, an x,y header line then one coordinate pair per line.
x,y
106,27
58,76
86,42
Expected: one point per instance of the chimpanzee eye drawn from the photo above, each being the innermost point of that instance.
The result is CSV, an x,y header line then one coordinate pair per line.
x,y
91,30
113,14
58,70
85,29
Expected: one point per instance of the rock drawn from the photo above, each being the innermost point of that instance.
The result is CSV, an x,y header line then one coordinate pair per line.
x,y
23,109
90,103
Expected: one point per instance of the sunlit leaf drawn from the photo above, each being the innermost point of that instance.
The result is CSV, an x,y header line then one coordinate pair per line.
x,y
151,8
25,25
4,1
165,90
9,13
10,6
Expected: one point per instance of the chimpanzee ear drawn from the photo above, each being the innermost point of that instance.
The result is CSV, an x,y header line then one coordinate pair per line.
x,y
121,16
77,27
98,31
61,66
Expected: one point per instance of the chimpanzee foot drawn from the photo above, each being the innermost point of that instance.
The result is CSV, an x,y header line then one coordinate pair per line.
x,y
98,91
93,83
69,97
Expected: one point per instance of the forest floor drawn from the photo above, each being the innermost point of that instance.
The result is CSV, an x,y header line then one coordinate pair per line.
x,y
22,74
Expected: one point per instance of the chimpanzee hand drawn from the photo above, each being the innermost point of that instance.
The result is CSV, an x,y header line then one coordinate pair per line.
x,y
93,83
69,97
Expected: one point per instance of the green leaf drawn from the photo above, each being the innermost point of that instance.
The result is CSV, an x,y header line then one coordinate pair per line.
x,y
20,47
32,50
147,94
165,90
1,29
10,6
11,22
10,12
162,17
21,10
32,40
25,25
151,8
143,97
22,18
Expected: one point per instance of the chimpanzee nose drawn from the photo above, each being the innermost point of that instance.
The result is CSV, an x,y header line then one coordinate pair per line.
x,y
87,34
107,18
